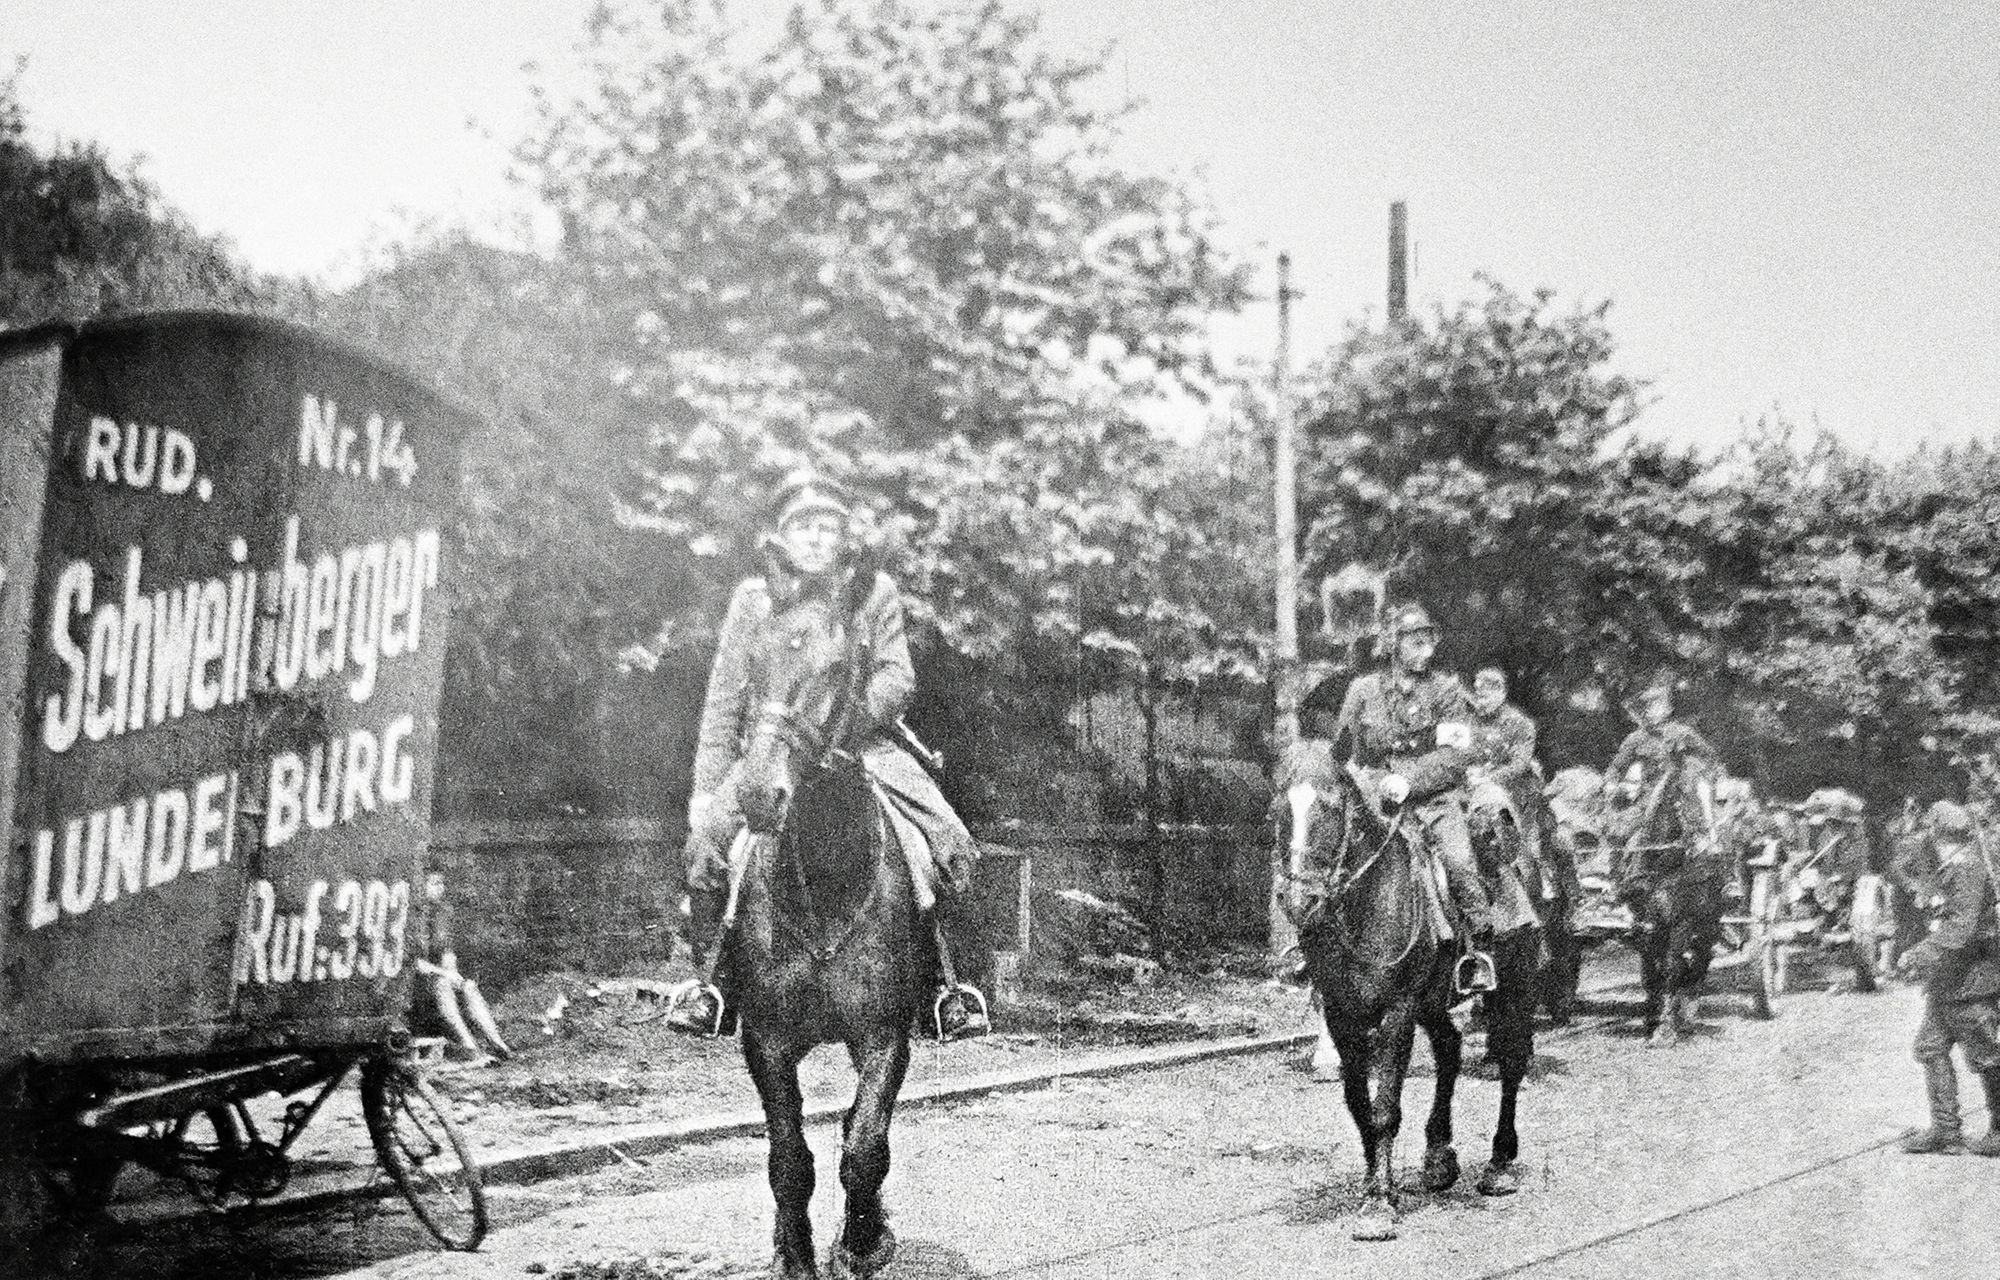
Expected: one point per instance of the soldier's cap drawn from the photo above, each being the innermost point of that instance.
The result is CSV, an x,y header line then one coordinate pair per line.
x,y
1408,618
1948,818
807,493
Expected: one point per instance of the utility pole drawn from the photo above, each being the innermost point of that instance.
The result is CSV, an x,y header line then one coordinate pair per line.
x,y
1399,260
1285,661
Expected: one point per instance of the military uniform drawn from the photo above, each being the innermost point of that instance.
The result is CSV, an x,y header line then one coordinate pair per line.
x,y
1503,750
735,692
1659,750
1960,966
934,842
1503,745
1418,727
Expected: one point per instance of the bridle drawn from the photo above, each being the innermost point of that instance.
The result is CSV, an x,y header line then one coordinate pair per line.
x,y
1329,888
816,750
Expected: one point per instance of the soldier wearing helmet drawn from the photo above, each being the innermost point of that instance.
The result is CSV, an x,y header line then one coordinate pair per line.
x,y
809,550
1661,745
1414,723
1959,964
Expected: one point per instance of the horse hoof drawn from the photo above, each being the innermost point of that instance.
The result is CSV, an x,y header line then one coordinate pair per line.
x,y
1499,1180
1377,1224
783,1270
1440,1169
842,1264
1665,1036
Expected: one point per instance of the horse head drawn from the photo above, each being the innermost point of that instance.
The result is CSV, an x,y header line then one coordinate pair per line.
x,y
813,675
1324,809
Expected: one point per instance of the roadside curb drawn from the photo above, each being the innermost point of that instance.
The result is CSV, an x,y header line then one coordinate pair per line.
x,y
540,1164
627,1144
610,1145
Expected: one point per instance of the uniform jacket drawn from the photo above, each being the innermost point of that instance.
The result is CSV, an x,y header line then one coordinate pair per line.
x,y
735,690
1960,960
1385,725
1504,744
1659,749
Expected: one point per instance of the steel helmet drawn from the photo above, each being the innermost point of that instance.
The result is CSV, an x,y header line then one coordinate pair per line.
x,y
1407,619
1949,818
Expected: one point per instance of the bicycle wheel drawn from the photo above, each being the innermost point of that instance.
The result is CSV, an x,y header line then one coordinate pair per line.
x,y
423,1152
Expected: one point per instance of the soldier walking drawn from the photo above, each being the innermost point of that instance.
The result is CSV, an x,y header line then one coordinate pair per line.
x,y
1959,964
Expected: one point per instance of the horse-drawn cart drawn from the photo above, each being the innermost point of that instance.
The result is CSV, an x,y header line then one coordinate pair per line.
x,y
1724,912
1829,899
225,548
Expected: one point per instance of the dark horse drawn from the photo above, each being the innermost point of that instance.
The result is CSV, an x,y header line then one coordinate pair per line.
x,y
1672,878
826,943
1374,955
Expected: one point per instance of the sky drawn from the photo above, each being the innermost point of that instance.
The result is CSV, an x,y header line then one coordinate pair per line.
x,y
1791,205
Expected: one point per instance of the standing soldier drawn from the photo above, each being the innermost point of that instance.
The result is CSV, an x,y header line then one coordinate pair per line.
x,y
1959,964
1414,722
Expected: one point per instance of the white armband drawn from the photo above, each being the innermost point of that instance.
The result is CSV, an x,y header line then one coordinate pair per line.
x,y
1452,734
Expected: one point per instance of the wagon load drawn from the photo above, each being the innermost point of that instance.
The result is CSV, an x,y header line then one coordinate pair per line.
x,y
226,550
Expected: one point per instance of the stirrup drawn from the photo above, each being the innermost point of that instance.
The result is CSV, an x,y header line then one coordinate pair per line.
x,y
686,993
1474,973
976,1017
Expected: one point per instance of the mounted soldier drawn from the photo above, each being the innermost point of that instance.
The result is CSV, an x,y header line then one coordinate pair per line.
x,y
810,555
1959,964
1661,747
1415,724
1504,780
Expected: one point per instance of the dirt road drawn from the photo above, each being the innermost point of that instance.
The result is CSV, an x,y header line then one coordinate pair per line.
x,y
1757,1149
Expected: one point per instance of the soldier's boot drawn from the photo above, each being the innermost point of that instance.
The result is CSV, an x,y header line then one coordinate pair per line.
x,y
1474,973
1944,1137
1989,1145
958,1009
696,1006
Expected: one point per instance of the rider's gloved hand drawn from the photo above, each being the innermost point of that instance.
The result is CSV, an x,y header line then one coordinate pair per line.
x,y
698,806
1395,789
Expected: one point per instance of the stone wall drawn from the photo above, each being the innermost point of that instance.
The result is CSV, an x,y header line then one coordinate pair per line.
x,y
602,895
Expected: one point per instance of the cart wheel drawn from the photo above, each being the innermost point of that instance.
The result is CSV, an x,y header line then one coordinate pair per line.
x,y
421,1148
208,1146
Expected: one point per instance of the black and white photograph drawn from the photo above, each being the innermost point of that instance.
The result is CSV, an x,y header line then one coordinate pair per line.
x,y
973,639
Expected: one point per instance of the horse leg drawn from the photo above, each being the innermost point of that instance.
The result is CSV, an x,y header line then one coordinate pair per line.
x,y
774,1067
1511,1043
866,1243
1440,1158
1357,1052
1379,1201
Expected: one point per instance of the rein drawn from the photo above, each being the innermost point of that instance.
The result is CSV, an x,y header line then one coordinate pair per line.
x,y
829,747
1340,882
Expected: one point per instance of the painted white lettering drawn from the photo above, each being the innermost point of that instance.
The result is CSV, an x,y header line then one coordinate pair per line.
x,y
100,455
177,462
284,808
211,618
125,850
211,818
138,466
43,908
399,770
166,850
62,715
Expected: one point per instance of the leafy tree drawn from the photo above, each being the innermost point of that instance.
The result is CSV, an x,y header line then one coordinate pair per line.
x,y
1471,457
81,238
892,246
